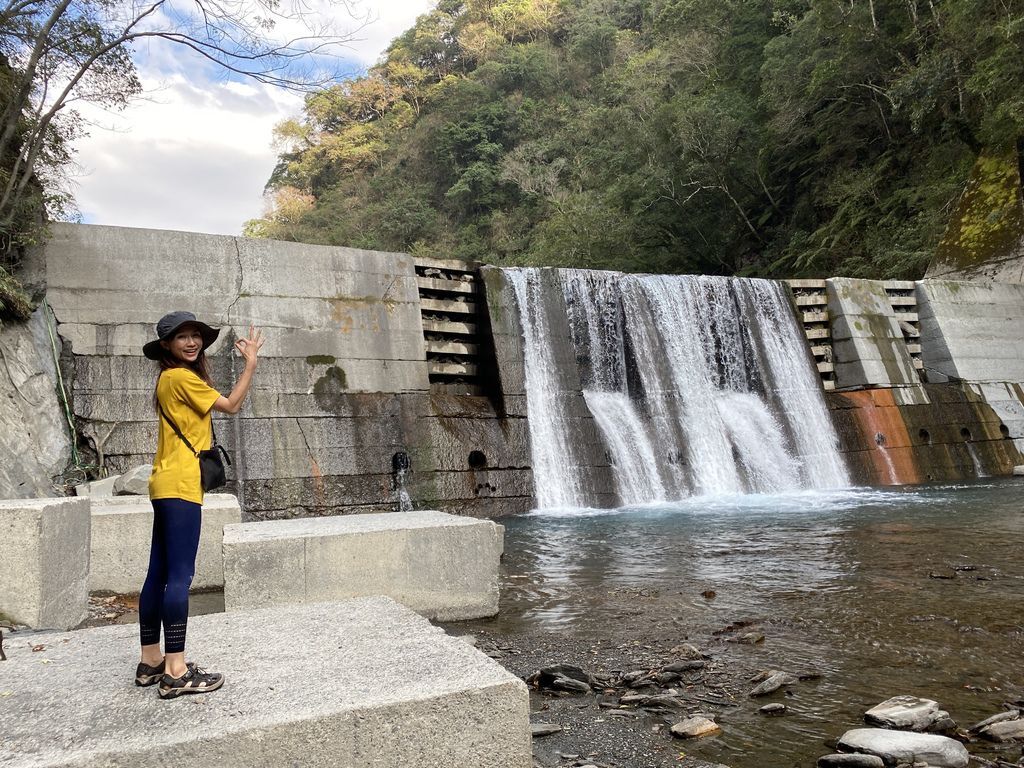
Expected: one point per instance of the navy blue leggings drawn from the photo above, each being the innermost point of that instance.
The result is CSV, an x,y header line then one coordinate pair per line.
x,y
172,564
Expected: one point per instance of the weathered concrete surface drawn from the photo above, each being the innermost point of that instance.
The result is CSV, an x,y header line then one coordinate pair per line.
x,y
122,527
354,684
342,386
867,344
34,441
440,565
972,331
953,435
44,561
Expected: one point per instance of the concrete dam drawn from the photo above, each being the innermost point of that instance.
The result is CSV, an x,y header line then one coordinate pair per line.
x,y
390,381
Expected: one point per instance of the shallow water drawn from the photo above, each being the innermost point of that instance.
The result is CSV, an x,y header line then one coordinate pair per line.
x,y
914,590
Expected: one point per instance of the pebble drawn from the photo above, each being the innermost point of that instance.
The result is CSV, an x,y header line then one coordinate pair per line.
x,y
773,709
694,727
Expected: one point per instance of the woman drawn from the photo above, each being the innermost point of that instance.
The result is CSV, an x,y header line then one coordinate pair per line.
x,y
185,396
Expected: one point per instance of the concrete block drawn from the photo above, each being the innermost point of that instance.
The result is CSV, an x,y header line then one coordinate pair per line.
x,y
44,561
97,488
360,684
122,528
440,565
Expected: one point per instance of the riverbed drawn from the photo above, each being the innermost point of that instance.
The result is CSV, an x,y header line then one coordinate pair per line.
x,y
914,590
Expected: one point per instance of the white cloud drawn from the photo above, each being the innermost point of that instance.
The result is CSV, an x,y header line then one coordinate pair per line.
x,y
197,152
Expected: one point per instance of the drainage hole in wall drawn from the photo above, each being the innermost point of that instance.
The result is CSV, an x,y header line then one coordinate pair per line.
x,y
400,462
925,436
879,438
1004,430
477,460
965,433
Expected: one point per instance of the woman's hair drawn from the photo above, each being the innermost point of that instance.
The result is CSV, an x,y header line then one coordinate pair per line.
x,y
168,361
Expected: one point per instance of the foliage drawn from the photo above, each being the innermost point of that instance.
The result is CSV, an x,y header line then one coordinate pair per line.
x,y
767,137
54,53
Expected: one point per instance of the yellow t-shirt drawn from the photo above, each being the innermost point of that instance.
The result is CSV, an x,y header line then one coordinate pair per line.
x,y
187,399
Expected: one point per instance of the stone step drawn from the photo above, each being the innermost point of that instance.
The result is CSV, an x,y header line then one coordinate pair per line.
x,y
436,368
899,285
807,283
448,306
817,333
903,301
821,350
447,326
815,317
817,300
826,367
358,684
449,265
442,285
440,565
906,317
438,347
828,384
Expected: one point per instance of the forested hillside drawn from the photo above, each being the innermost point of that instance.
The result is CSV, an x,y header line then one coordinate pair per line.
x,y
754,137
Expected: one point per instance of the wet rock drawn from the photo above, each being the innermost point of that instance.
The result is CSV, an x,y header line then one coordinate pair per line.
x,y
544,729
906,747
773,709
1007,730
694,727
909,713
659,701
709,594
563,677
850,761
1012,714
664,678
687,651
1019,469
748,638
690,665
631,678
771,681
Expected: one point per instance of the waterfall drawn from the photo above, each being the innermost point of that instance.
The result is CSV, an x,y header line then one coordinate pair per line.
x,y
555,473
697,385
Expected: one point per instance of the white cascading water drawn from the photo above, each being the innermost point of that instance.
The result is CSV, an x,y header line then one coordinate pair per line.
x,y
726,397
556,478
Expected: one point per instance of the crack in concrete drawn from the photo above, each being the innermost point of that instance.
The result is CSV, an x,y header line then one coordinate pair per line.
x,y
241,280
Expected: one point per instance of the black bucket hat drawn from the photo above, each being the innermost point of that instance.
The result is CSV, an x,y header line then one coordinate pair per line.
x,y
169,325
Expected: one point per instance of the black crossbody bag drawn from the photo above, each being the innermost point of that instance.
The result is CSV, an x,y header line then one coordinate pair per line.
x,y
212,473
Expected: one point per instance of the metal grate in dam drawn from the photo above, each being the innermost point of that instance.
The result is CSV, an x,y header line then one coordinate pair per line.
x,y
450,298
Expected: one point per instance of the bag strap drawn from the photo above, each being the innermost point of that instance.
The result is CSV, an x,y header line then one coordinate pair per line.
x,y
213,433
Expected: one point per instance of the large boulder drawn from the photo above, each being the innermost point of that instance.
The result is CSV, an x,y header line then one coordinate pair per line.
x,y
904,747
134,482
34,437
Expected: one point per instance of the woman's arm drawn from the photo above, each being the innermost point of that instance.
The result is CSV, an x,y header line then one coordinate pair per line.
x,y
249,349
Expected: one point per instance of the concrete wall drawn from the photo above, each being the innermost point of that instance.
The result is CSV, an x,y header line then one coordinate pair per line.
x,y
867,344
342,385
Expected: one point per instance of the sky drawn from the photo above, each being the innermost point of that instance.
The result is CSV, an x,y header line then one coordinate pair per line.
x,y
196,151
